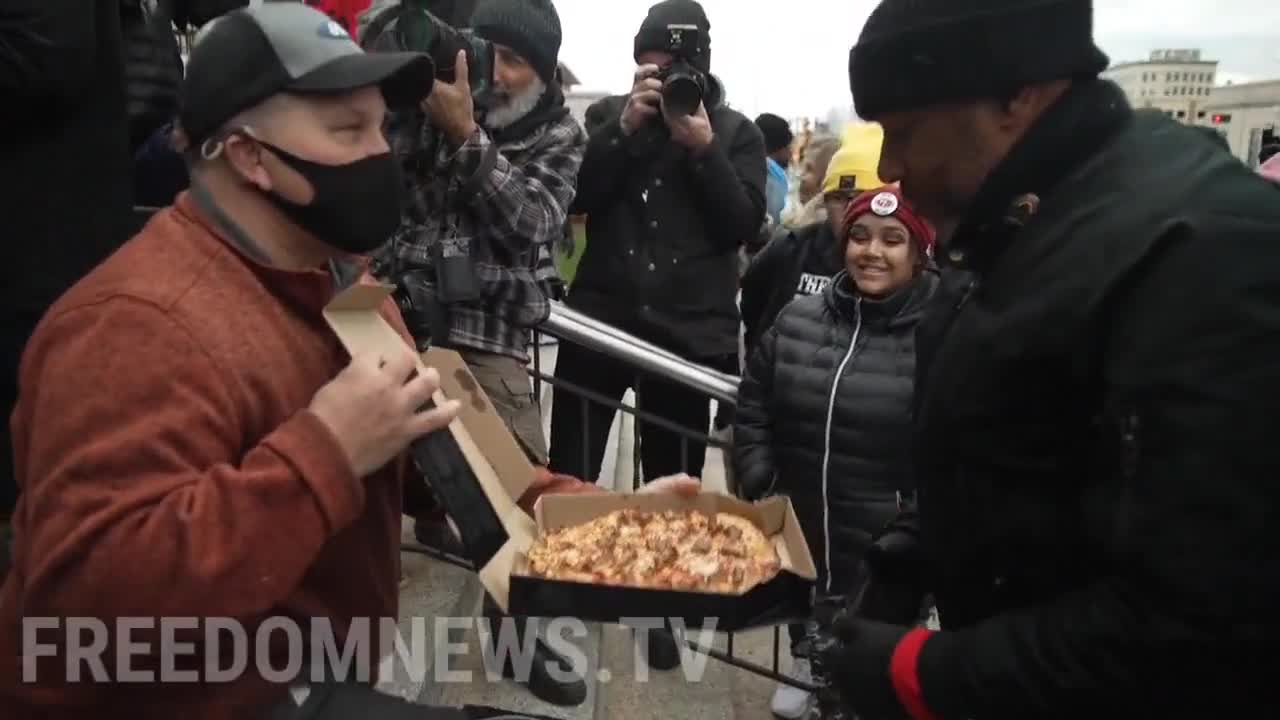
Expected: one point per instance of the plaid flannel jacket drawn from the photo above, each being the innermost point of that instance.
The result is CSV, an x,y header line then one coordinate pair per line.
x,y
504,205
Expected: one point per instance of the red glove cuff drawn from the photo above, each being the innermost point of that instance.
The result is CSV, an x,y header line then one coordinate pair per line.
x,y
906,679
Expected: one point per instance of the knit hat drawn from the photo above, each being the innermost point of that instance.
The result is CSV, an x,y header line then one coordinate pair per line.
x,y
529,27
654,34
918,53
776,131
855,166
888,201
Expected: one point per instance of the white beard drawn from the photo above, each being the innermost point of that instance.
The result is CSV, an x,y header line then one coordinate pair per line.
x,y
515,108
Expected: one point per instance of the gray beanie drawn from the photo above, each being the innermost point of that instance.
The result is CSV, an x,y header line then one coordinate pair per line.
x,y
529,27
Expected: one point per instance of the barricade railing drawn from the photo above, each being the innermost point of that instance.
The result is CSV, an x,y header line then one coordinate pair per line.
x,y
577,327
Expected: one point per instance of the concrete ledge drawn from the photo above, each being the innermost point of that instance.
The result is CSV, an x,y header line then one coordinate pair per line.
x,y
434,590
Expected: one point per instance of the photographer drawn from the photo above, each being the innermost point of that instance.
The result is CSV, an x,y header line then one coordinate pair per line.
x,y
488,192
672,184
675,195
490,162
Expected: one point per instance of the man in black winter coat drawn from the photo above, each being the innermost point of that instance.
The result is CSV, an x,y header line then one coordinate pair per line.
x,y
65,165
1095,408
152,68
669,199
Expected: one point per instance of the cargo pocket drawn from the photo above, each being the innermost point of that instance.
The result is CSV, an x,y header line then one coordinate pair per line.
x,y
523,418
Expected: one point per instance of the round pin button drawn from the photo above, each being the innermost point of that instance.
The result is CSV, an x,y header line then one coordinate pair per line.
x,y
884,204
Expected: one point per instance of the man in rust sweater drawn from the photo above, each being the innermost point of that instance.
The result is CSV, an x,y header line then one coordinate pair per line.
x,y
191,439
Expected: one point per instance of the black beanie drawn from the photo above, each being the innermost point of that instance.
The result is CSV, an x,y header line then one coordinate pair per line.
x,y
654,35
917,53
529,27
776,131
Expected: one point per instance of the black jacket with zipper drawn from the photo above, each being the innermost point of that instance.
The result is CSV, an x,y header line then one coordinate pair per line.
x,y
152,66
664,227
1096,429
64,146
824,416
794,264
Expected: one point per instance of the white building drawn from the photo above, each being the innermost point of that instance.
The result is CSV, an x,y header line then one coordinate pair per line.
x,y
1246,114
1177,82
576,99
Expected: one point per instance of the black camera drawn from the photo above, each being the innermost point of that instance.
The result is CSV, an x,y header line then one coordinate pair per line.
x,y
422,31
682,84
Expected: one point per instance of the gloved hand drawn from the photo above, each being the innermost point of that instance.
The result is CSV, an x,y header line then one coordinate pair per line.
x,y
894,568
872,663
895,555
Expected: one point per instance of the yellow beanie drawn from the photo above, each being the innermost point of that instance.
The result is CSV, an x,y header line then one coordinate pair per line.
x,y
855,165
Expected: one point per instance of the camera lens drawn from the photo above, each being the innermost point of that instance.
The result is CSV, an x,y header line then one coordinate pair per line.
x,y
681,94
421,31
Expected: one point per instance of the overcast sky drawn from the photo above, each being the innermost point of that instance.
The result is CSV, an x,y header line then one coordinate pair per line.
x,y
791,56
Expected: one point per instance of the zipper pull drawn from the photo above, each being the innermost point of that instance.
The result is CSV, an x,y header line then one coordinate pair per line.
x,y
968,293
1129,429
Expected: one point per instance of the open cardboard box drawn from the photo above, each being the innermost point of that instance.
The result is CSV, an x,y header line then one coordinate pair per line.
x,y
786,596
479,472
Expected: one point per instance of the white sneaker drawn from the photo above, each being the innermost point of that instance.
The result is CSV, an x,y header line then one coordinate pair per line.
x,y
792,703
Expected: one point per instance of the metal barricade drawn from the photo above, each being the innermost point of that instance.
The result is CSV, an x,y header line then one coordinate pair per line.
x,y
570,325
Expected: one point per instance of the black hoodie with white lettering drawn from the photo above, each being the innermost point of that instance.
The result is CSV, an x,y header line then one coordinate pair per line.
x,y
795,263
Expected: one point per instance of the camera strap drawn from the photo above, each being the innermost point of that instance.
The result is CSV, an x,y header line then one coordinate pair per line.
x,y
377,25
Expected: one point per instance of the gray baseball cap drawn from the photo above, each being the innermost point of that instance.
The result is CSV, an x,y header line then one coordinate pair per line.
x,y
246,56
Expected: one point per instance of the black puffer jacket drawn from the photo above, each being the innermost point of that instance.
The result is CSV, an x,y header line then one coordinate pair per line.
x,y
824,416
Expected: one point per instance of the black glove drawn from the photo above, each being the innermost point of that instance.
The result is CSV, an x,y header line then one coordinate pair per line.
x,y
895,555
857,665
893,567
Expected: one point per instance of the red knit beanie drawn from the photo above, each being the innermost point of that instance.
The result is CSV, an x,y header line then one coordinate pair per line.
x,y
888,201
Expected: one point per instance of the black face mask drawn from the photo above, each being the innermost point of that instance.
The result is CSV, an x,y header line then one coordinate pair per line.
x,y
356,206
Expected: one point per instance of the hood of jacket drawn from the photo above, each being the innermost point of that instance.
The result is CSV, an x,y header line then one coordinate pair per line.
x,y
800,215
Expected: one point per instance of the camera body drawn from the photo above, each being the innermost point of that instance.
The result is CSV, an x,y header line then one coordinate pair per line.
x,y
683,85
422,31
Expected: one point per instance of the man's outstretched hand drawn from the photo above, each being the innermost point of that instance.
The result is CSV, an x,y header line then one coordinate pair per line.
x,y
682,484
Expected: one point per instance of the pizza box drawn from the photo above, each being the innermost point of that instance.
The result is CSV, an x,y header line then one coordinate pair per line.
x,y
479,472
476,468
785,597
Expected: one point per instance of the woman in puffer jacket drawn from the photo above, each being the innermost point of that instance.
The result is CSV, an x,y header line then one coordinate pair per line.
x,y
824,407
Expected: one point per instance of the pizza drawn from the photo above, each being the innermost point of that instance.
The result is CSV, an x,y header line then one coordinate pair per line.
x,y
668,550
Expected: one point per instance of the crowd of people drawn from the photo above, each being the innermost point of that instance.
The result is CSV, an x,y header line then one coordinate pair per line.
x,y
1010,346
